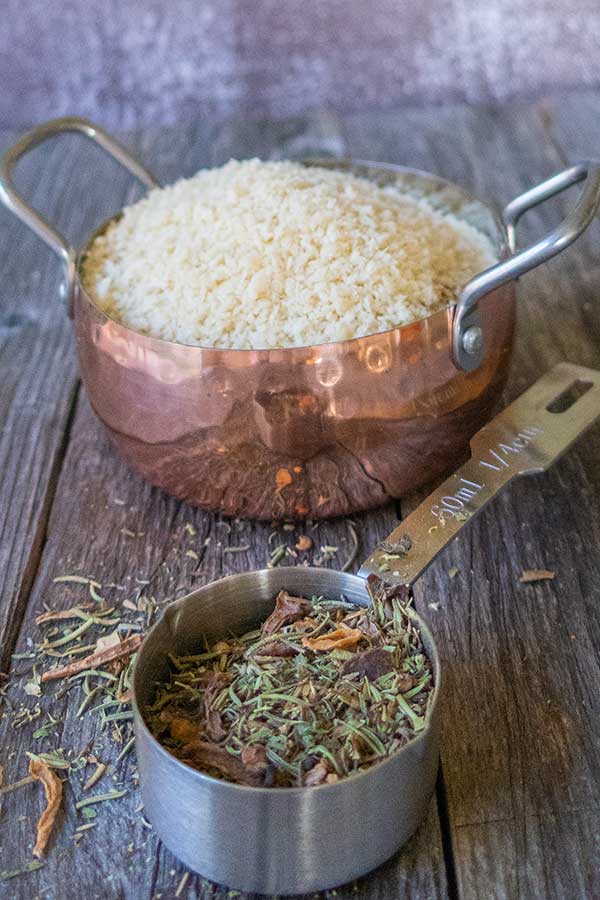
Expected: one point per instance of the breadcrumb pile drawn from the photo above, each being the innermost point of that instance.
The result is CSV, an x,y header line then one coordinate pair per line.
x,y
257,255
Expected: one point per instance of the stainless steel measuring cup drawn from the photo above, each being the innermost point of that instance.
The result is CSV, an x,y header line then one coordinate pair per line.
x,y
295,840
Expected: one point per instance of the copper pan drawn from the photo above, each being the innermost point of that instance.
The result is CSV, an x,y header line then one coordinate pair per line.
x,y
308,431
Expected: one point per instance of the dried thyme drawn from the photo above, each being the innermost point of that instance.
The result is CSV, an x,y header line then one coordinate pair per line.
x,y
99,798
7,874
529,576
322,690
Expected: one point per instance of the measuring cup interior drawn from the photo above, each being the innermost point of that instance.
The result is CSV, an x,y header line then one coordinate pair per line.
x,y
237,604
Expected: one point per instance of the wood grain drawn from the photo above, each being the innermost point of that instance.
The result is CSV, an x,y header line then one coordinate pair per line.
x,y
106,523
519,806
38,383
39,376
520,755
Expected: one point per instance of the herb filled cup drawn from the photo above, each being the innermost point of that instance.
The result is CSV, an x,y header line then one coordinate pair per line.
x,y
330,820
322,690
344,794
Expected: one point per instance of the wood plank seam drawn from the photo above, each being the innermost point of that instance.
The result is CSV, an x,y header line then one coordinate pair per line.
x,y
446,835
39,538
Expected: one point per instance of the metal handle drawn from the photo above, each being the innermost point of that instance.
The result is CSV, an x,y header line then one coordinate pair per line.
x,y
527,437
468,339
13,201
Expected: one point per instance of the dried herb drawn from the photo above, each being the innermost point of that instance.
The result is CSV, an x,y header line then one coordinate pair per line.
x,y
54,760
9,788
287,609
53,790
397,548
76,612
323,690
95,776
181,886
276,556
75,579
531,575
87,637
32,866
371,664
99,798
124,648
348,563
341,639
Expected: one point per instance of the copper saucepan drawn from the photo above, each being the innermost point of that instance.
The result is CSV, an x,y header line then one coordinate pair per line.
x,y
308,431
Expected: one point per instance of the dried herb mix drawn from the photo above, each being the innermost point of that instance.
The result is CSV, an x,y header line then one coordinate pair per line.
x,y
322,690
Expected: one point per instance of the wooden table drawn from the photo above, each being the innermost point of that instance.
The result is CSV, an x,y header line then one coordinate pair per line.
x,y
516,811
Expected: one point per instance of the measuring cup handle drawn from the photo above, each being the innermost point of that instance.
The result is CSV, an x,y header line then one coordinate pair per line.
x,y
525,438
467,338
13,201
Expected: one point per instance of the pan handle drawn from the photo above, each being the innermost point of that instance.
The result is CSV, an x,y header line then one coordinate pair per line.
x,y
467,335
15,203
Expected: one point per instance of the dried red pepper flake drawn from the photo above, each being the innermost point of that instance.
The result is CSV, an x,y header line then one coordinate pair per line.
x,y
341,639
53,790
283,477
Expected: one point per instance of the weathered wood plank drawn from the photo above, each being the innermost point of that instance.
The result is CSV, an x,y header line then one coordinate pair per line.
x,y
37,359
99,505
37,393
520,755
86,537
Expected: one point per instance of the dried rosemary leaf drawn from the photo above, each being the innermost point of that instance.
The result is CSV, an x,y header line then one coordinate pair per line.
x,y
7,874
74,579
99,798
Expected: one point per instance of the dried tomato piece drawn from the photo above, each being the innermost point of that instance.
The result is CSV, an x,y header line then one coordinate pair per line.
x,y
343,638
287,609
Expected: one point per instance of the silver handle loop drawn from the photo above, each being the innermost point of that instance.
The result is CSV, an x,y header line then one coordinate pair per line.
x,y
467,337
13,201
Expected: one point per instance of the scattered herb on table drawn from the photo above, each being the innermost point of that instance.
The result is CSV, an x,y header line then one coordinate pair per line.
x,y
102,657
322,690
82,649
32,866
53,790
529,576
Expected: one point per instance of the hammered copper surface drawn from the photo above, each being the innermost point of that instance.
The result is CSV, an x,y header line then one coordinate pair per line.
x,y
310,431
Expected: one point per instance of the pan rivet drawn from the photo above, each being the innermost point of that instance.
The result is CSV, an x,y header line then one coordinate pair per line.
x,y
472,340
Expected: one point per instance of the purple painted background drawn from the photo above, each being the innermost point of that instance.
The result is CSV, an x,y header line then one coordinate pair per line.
x,y
138,62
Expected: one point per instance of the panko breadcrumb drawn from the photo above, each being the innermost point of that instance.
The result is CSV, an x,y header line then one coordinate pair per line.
x,y
257,255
